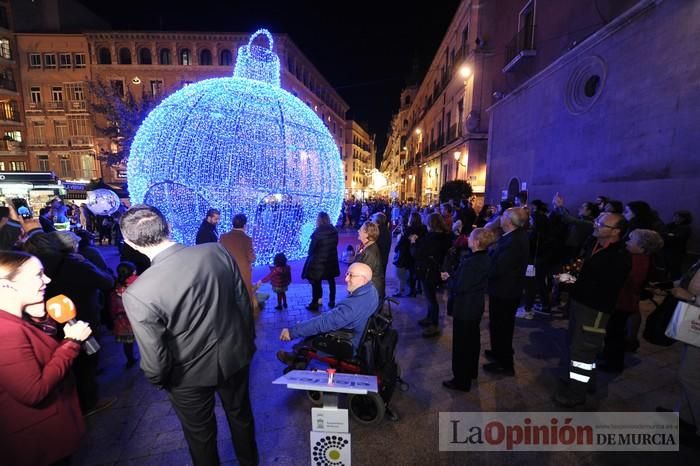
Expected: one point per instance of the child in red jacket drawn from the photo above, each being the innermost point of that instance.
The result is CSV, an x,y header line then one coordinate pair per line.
x,y
281,276
126,274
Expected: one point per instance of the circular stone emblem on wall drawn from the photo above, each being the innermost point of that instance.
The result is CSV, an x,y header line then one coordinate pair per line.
x,y
585,84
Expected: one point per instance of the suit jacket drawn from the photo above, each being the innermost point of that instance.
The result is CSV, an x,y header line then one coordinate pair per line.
x,y
40,420
191,316
509,262
468,287
207,233
240,246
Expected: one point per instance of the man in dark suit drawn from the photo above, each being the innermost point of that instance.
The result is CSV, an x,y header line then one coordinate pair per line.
x,y
207,230
192,318
506,281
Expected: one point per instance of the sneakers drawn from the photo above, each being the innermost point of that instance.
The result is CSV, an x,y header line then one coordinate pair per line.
x,y
278,308
431,331
524,314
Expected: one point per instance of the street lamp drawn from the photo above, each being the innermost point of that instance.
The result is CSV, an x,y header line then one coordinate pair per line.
x,y
458,156
465,71
418,131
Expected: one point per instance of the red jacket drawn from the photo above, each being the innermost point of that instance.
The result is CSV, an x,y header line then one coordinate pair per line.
x,y
628,299
280,277
40,420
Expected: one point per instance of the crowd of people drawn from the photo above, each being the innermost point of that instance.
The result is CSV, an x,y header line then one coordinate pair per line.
x,y
517,259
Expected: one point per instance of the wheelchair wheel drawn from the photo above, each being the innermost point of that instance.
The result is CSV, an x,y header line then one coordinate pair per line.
x,y
367,409
316,398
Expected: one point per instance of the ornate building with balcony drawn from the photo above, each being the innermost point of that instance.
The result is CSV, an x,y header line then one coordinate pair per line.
x,y
13,155
59,70
358,160
395,158
446,134
60,130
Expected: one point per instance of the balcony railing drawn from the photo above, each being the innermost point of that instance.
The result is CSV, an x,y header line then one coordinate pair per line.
x,y
81,141
11,146
35,106
77,105
56,105
522,45
8,84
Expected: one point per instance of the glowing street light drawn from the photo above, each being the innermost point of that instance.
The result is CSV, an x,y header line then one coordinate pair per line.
x,y
418,131
465,71
457,155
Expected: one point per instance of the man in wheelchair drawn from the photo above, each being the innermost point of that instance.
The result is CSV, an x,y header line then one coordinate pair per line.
x,y
339,331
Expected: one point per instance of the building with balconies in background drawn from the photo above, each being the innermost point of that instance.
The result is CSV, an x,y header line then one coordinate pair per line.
x,y
13,155
358,160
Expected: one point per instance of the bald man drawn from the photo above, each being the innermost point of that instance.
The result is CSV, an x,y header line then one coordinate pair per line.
x,y
606,265
351,313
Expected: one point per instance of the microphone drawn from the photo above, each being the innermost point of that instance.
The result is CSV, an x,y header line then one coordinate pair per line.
x,y
62,310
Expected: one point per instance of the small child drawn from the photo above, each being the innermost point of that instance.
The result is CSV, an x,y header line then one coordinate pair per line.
x,y
349,255
126,274
281,276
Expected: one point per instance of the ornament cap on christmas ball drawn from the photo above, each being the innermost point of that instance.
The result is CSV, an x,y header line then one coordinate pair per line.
x,y
240,144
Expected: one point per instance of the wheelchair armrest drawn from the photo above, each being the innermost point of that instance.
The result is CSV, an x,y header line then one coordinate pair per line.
x,y
342,334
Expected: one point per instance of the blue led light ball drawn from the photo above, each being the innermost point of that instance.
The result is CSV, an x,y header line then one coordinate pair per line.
x,y
240,144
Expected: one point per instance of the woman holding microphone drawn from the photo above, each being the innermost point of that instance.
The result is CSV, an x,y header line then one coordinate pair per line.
x,y
40,420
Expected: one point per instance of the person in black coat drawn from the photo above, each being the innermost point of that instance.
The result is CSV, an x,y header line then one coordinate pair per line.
x,y
207,230
384,240
369,253
430,254
322,261
415,230
466,306
506,282
191,316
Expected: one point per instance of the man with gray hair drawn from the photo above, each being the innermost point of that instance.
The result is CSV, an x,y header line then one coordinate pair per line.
x,y
506,282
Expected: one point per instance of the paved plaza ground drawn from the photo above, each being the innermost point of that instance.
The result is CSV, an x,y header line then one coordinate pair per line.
x,y
142,429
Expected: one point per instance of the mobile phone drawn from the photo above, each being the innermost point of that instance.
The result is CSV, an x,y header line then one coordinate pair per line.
x,y
22,208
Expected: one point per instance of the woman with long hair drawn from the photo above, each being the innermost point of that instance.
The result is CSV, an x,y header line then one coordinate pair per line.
x,y
40,422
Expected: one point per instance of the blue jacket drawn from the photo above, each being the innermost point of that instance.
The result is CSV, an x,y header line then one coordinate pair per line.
x,y
352,312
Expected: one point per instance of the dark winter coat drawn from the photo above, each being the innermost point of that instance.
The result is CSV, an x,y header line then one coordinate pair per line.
x,y
322,261
602,276
430,252
371,256
384,243
509,262
207,233
468,286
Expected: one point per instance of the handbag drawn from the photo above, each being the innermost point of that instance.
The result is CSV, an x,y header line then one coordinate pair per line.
x,y
685,324
657,322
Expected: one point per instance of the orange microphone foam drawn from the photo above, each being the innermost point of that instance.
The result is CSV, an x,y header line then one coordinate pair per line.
x,y
61,308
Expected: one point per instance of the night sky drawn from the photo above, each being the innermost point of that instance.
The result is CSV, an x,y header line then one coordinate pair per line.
x,y
365,49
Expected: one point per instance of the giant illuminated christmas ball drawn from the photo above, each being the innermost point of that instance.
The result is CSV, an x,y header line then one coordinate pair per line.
x,y
240,144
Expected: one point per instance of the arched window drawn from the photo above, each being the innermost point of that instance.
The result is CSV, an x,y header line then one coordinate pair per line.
x,y
124,56
185,57
164,56
407,100
145,56
104,56
205,57
225,58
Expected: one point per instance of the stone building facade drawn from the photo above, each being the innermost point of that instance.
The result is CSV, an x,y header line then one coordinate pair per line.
x,y
152,64
358,160
614,113
13,156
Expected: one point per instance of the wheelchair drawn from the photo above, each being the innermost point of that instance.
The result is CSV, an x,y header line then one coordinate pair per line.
x,y
375,356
